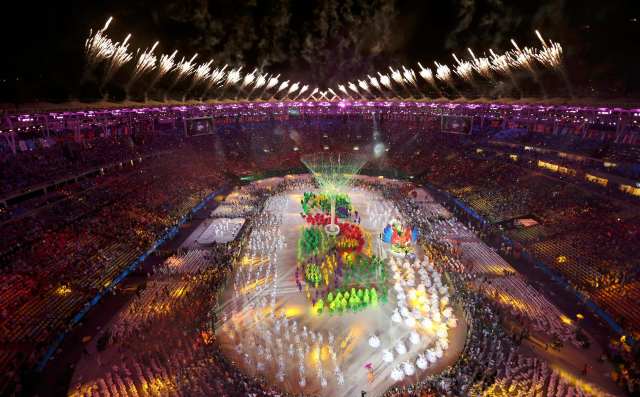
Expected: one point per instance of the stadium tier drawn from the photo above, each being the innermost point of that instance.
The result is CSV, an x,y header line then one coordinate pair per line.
x,y
479,243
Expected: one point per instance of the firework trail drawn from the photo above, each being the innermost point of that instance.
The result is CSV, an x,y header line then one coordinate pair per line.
x,y
281,87
464,70
312,95
260,81
397,77
183,69
323,95
363,84
293,88
332,93
443,73
374,83
344,91
354,88
200,74
231,79
271,82
216,76
166,64
481,65
523,59
427,75
551,56
502,64
410,77
98,47
120,56
303,89
146,62
248,79
385,82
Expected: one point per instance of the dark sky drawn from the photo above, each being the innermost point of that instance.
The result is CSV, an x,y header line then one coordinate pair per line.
x,y
318,42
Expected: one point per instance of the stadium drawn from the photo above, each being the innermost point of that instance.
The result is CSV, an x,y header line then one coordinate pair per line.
x,y
198,227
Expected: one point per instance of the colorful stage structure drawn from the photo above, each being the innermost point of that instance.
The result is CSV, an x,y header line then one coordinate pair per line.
x,y
400,237
334,172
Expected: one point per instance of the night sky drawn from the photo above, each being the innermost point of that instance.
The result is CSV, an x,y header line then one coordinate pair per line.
x,y
317,42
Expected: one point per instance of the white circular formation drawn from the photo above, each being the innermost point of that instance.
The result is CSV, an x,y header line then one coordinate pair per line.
x,y
422,306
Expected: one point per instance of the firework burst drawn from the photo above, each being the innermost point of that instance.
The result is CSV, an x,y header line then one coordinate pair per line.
x,y
522,58
303,89
120,56
481,65
363,84
146,62
464,69
185,68
294,87
374,83
248,79
550,55
343,89
443,73
312,95
426,74
501,63
410,76
98,47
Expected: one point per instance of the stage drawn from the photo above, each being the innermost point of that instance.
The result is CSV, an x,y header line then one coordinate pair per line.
x,y
254,334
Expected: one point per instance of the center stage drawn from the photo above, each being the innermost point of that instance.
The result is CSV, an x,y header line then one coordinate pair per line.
x,y
256,336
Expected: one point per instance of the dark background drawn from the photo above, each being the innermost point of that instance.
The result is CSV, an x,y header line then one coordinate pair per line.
x,y
317,42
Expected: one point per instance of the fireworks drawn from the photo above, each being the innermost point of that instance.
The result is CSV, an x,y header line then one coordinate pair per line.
x,y
272,82
98,47
343,89
353,87
303,89
385,80
463,69
550,55
233,77
248,79
202,72
146,62
294,87
396,76
282,86
409,75
500,63
481,65
120,56
426,74
314,92
184,68
522,58
217,75
374,82
166,64
261,80
363,84
443,73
